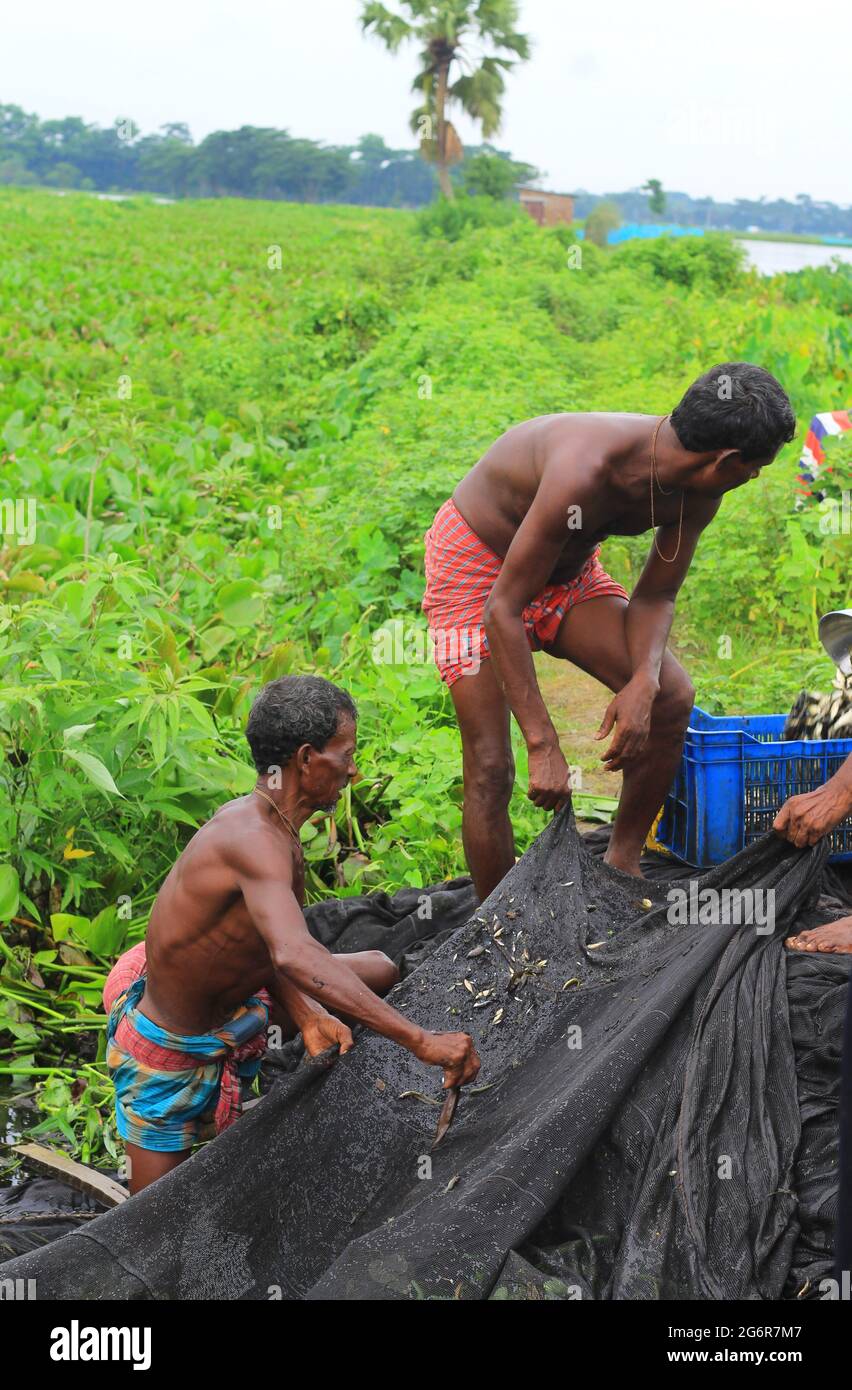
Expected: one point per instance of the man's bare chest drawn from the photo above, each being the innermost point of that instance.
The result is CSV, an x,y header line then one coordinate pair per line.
x,y
632,521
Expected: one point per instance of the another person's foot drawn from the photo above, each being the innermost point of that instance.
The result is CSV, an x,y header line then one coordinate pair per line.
x,y
834,938
627,863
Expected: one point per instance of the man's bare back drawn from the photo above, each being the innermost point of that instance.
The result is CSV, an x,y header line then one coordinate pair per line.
x,y
576,453
205,956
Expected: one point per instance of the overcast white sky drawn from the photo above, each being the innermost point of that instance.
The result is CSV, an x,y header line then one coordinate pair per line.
x,y
734,98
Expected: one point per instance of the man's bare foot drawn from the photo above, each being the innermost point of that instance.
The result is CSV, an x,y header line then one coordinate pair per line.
x,y
834,938
627,863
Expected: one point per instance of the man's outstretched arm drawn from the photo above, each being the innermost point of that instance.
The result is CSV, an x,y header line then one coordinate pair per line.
x,y
303,962
538,546
804,819
319,1028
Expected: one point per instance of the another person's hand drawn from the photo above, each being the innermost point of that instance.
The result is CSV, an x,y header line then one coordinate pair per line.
x,y
805,819
630,713
454,1052
323,1030
549,778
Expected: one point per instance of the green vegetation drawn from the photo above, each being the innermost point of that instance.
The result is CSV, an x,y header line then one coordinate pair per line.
x,y
236,420
492,176
603,219
656,196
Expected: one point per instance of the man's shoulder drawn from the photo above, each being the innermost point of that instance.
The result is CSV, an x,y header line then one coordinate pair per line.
x,y
233,833
226,828
608,430
574,446
255,849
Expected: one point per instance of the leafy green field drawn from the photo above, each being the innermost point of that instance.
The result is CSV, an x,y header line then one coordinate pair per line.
x,y
236,420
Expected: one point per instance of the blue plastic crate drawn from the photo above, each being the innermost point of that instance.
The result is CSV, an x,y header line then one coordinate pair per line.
x,y
734,776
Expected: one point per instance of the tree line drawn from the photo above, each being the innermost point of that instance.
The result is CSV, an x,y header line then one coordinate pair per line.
x,y
255,162
252,162
801,216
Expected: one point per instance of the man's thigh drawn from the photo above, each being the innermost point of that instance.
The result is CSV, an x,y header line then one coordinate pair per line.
x,y
146,1165
482,712
592,635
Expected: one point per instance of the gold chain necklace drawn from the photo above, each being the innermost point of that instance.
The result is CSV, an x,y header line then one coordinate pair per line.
x,y
288,823
666,492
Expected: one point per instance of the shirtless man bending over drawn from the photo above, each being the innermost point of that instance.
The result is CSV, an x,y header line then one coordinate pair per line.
x,y
512,565
227,947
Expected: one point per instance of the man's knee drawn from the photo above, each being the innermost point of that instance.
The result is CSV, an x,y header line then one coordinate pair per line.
x,y
383,971
489,778
675,701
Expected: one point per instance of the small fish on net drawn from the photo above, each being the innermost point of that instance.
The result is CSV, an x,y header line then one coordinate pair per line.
x,y
815,715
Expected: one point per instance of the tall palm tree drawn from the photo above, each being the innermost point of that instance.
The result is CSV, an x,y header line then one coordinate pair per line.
x,y
450,72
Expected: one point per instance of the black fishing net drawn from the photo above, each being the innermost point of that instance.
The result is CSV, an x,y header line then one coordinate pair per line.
x,y
39,1210
656,1115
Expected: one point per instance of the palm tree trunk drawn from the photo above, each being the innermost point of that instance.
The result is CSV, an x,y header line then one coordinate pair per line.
x,y
440,102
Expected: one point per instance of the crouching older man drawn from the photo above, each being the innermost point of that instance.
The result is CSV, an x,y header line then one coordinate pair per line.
x,y
228,947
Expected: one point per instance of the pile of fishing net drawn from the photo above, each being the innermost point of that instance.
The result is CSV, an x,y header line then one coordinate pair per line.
x,y
656,1115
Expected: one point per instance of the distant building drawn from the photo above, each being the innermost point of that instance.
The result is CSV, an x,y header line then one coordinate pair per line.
x,y
547,209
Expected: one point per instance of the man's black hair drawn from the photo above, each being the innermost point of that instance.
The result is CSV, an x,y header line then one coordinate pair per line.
x,y
291,711
735,406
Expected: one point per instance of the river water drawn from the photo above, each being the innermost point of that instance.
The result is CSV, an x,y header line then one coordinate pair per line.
x,y
772,257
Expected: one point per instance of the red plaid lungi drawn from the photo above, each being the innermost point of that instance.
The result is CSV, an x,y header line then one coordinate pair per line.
x,y
460,573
